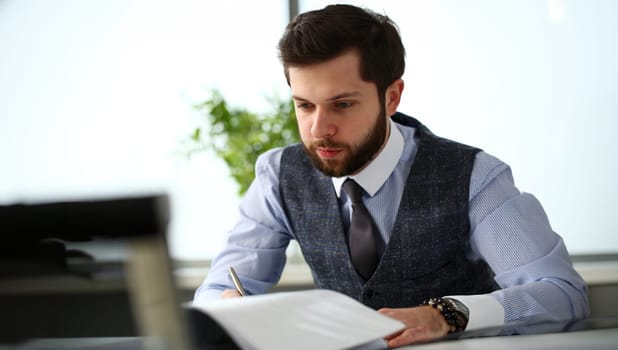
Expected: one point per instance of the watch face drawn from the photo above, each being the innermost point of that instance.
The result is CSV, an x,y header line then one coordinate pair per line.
x,y
459,306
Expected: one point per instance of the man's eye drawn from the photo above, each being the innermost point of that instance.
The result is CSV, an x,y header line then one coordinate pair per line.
x,y
303,105
344,104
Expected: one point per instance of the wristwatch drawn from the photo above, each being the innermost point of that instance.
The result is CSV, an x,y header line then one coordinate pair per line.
x,y
454,312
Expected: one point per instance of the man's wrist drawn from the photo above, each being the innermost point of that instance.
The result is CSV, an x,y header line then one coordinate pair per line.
x,y
455,313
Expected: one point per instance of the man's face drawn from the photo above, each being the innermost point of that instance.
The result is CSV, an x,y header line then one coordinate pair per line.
x,y
341,121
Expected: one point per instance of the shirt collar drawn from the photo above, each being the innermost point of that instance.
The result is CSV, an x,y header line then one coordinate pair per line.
x,y
375,174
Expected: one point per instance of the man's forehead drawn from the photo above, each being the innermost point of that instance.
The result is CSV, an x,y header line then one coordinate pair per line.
x,y
327,86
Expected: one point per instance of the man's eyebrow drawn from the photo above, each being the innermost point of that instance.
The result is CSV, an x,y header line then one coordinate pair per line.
x,y
333,98
345,95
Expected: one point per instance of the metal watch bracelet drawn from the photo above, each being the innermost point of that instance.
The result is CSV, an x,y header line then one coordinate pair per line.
x,y
455,313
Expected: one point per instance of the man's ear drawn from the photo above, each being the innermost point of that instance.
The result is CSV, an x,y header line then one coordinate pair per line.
x,y
393,96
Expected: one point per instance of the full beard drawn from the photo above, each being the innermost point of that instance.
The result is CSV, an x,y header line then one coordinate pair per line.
x,y
357,157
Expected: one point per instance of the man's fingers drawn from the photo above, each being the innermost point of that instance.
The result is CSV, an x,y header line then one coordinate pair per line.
x,y
392,336
408,336
230,293
422,324
386,311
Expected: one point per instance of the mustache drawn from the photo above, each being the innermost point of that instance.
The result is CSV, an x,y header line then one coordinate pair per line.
x,y
326,143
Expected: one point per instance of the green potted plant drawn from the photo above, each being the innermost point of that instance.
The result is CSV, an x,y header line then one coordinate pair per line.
x,y
239,136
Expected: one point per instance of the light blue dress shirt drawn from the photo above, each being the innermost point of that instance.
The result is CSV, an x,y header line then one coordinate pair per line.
x,y
508,229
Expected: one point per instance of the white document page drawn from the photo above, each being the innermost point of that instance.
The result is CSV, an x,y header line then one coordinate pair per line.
x,y
313,319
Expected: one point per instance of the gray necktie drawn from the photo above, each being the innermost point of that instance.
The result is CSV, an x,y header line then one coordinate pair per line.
x,y
362,232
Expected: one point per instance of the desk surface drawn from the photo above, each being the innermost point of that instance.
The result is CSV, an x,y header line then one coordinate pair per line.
x,y
588,339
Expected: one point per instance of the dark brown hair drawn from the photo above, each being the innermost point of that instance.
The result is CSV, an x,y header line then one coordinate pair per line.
x,y
320,35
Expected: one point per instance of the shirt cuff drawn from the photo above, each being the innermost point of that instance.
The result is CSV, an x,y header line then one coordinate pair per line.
x,y
485,311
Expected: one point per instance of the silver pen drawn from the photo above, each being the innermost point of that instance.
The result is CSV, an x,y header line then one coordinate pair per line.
x,y
237,283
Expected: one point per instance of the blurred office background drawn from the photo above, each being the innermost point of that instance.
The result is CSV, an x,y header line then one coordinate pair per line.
x,y
96,97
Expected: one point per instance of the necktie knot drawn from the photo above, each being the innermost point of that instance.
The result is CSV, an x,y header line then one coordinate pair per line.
x,y
353,190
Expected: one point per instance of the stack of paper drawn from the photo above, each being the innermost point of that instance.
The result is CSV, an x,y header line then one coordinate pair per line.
x,y
313,319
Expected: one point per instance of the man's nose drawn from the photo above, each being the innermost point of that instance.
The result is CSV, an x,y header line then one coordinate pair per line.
x,y
322,126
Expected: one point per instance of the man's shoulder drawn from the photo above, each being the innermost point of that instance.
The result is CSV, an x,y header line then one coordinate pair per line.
x,y
488,162
268,161
486,168
270,155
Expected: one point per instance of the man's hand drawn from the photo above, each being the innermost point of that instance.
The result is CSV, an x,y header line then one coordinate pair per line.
x,y
230,293
423,323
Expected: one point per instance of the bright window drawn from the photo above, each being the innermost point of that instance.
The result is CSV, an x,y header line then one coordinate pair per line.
x,y
96,96
534,83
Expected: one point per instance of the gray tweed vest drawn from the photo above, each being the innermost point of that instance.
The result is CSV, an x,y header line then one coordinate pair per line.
x,y
426,254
